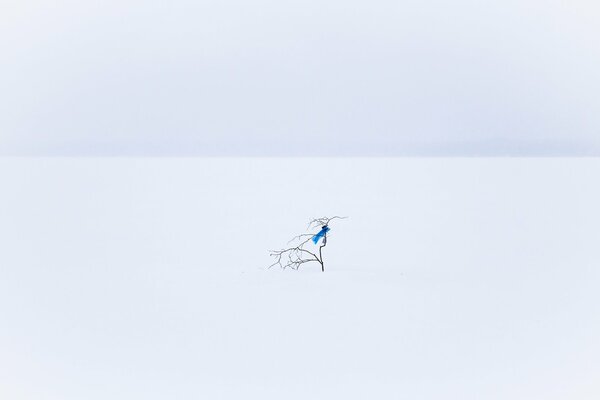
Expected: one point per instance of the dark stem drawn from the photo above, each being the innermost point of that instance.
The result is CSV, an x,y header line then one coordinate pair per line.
x,y
321,254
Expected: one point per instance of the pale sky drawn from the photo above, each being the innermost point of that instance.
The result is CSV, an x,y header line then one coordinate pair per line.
x,y
310,77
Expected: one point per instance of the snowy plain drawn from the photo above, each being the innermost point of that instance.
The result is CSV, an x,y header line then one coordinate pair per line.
x,y
452,278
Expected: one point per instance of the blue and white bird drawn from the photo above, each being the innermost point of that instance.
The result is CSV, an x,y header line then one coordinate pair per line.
x,y
321,234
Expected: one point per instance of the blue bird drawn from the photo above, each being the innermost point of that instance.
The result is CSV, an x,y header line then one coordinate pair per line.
x,y
321,234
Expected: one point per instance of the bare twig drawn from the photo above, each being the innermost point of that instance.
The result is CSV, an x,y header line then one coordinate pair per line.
x,y
294,257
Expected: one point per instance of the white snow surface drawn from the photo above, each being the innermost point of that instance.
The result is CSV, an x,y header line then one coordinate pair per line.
x,y
142,278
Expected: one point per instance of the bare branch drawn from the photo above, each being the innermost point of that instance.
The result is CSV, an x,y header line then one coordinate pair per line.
x,y
316,222
294,257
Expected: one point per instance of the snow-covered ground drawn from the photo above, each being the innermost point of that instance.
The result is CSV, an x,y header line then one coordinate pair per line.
x,y
452,279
